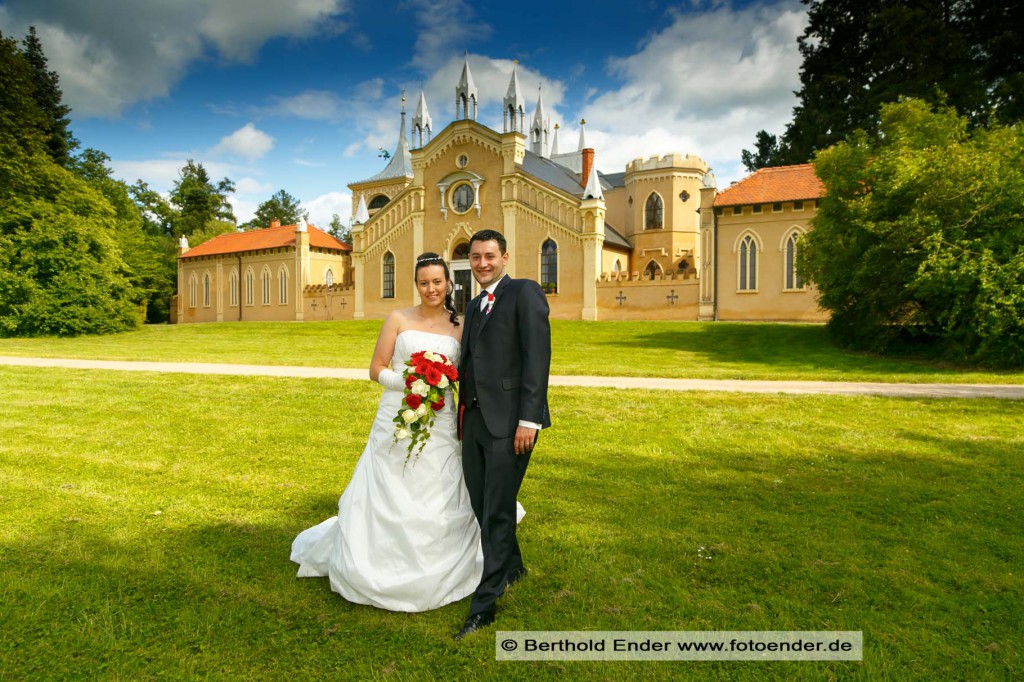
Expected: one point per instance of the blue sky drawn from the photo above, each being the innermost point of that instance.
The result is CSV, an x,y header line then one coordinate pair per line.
x,y
299,94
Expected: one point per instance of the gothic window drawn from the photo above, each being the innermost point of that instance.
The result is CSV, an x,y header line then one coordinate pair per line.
x,y
748,264
654,212
192,283
250,286
282,285
388,271
378,202
793,278
233,286
206,290
461,252
329,277
652,269
549,267
265,281
617,266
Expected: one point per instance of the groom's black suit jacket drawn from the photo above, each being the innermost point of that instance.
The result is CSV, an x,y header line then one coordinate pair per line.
x,y
506,357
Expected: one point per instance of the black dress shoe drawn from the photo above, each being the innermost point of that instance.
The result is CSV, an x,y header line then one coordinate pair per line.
x,y
474,623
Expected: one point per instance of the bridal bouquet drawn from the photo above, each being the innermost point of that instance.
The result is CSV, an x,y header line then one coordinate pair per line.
x,y
426,380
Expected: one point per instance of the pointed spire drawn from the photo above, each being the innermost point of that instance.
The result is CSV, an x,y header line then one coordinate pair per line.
x,y
554,142
593,188
400,165
540,129
465,92
514,114
583,142
421,121
362,215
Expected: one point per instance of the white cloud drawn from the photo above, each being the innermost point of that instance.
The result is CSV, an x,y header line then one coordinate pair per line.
x,y
446,28
248,142
317,105
111,54
322,208
705,85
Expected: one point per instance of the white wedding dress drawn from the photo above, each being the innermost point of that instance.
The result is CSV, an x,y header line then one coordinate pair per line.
x,y
405,538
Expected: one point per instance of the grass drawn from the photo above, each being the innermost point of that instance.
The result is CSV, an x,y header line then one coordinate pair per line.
x,y
669,349
145,522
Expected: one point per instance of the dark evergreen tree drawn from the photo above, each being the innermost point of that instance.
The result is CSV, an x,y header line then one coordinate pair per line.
x,y
60,143
282,207
766,152
860,54
200,203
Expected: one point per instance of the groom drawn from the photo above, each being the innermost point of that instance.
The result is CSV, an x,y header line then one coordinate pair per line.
x,y
506,356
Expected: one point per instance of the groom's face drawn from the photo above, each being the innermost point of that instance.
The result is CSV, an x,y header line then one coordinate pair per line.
x,y
487,261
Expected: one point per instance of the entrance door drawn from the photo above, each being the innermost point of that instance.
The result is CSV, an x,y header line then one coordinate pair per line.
x,y
463,279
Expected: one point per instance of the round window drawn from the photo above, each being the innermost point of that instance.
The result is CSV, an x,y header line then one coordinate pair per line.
x,y
462,161
462,198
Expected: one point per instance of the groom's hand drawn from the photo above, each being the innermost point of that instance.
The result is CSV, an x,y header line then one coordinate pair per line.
x,y
525,438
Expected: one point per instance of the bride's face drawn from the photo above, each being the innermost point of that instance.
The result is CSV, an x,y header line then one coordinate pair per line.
x,y
432,285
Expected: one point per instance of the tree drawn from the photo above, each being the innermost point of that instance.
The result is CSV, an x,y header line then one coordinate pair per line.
x,y
919,236
860,54
767,151
339,230
60,143
282,207
200,202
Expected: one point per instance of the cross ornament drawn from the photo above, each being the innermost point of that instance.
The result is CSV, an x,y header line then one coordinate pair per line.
x,y
620,298
672,297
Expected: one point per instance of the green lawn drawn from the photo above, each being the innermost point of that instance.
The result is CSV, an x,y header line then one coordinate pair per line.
x,y
668,349
145,523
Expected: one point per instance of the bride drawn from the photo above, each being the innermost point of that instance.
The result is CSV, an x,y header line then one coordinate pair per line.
x,y
405,537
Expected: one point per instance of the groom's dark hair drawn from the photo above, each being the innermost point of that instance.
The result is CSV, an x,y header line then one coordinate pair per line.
x,y
490,235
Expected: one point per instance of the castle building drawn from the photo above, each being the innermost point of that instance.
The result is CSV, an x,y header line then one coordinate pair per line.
x,y
654,241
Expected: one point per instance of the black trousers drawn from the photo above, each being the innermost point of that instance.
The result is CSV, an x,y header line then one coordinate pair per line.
x,y
494,474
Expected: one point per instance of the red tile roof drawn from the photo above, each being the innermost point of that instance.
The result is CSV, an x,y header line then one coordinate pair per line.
x,y
266,238
768,185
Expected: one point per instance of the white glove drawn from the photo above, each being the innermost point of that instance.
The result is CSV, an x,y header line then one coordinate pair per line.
x,y
389,378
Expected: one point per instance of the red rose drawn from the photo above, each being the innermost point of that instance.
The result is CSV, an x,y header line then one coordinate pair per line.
x,y
413,401
410,380
433,375
438,405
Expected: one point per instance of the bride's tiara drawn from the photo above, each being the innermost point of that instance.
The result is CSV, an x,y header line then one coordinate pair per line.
x,y
430,259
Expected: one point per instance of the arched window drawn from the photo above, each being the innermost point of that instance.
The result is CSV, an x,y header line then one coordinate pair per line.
x,y
192,285
461,252
652,269
793,278
388,272
549,267
654,212
378,202
282,285
265,281
206,290
748,264
329,277
233,286
250,286
617,266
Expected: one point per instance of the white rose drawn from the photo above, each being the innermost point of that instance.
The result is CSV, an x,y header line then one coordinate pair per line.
x,y
420,388
403,433
421,410
443,383
433,357
410,416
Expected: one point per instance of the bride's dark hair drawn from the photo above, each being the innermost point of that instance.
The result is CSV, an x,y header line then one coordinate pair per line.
x,y
431,258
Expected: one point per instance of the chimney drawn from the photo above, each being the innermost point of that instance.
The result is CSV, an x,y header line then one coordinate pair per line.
x,y
588,163
275,222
